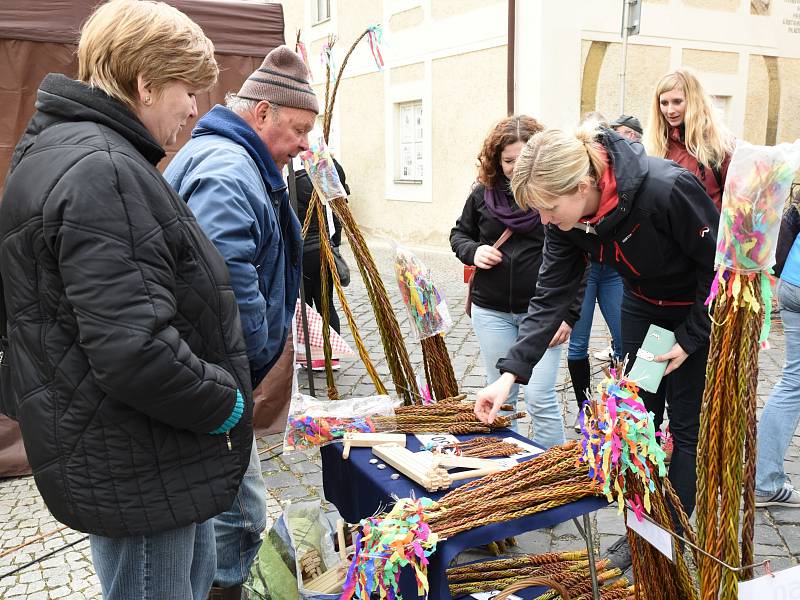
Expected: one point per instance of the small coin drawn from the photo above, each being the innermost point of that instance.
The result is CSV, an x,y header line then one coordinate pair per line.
x,y
381,466
373,461
395,476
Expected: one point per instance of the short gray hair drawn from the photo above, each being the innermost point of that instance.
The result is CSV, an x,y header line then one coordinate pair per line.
x,y
241,105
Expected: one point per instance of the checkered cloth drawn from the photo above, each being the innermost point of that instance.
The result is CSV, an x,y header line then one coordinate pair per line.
x,y
339,347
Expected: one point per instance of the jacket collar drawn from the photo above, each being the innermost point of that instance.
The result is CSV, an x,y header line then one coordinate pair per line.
x,y
63,99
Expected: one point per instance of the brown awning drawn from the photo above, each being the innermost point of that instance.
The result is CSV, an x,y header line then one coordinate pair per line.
x,y
239,28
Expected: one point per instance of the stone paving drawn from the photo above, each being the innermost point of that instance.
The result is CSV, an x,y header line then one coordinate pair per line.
x,y
68,573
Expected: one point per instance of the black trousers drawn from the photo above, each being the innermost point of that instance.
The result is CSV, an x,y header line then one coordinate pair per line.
x,y
681,390
312,283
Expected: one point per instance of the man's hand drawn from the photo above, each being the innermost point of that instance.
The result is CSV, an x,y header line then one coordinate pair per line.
x,y
487,256
492,397
561,336
675,356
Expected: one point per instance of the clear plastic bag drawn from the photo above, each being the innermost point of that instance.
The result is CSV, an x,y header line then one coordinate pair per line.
x,y
321,170
277,572
425,303
313,422
756,189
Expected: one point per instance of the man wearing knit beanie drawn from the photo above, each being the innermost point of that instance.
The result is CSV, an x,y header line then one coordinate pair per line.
x,y
229,173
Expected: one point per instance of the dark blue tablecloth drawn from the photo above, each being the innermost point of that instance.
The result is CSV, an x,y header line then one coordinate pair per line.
x,y
359,489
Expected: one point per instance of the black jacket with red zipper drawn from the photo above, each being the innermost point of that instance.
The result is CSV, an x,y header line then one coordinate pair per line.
x,y
661,238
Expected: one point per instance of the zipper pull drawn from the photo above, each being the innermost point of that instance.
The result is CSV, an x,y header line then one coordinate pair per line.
x,y
587,227
228,439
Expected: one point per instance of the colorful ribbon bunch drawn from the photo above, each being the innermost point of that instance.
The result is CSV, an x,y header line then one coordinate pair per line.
x,y
375,36
426,306
300,48
383,545
305,431
322,171
756,188
618,438
328,60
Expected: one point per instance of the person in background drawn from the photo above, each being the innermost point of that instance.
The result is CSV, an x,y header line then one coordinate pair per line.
x,y
131,368
782,411
505,279
229,173
312,275
600,195
684,127
629,127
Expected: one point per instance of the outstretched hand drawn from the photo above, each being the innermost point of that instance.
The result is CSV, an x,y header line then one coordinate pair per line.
x,y
492,397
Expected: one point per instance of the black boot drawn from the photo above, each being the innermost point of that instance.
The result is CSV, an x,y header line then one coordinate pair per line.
x,y
581,376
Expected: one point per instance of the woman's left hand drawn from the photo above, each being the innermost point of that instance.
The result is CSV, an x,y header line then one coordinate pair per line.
x,y
561,336
675,356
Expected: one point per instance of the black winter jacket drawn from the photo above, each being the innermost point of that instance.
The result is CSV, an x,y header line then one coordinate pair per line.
x,y
661,239
510,285
125,342
304,190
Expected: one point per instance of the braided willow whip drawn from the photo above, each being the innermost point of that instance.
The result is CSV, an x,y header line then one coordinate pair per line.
x,y
438,368
481,447
658,578
726,443
388,327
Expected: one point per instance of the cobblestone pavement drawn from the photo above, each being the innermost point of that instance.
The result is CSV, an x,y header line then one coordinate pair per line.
x,y
69,574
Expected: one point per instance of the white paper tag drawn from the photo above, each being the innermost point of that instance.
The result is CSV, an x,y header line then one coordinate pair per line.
x,y
525,449
488,595
781,585
436,439
658,537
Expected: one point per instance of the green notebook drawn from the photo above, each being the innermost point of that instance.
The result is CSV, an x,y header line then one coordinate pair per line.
x,y
645,371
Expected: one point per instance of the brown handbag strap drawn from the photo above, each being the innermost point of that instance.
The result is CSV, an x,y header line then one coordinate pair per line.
x,y
503,238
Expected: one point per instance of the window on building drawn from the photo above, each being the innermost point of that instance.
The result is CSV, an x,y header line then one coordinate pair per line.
x,y
408,158
322,10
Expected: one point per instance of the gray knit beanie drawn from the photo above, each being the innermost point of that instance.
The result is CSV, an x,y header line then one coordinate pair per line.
x,y
281,79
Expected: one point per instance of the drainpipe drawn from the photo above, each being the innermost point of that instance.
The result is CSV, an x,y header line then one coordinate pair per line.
x,y
512,28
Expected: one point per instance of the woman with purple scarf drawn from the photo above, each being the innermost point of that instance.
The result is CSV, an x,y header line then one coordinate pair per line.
x,y
505,278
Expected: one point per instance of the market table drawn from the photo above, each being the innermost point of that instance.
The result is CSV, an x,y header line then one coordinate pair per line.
x,y
359,489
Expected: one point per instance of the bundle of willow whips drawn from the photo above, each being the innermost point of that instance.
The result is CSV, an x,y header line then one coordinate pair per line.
x,y
391,337
496,574
451,416
551,479
579,583
480,447
757,186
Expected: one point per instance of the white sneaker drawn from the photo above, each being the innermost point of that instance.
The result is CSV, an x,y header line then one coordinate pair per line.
x,y
786,496
604,354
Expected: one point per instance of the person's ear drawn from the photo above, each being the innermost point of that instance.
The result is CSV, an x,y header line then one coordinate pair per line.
x,y
144,88
261,113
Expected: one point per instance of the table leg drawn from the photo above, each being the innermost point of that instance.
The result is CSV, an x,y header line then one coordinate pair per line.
x,y
589,537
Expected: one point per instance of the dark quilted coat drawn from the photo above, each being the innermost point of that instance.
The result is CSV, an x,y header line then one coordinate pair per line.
x,y
125,342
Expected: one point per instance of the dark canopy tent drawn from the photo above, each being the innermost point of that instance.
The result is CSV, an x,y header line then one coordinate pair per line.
x,y
37,38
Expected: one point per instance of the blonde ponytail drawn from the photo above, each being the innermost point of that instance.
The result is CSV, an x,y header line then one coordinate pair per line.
x,y
553,163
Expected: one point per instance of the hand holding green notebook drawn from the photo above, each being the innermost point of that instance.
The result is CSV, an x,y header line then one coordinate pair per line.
x,y
646,372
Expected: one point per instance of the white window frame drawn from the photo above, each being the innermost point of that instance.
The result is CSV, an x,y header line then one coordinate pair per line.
x,y
409,161
316,19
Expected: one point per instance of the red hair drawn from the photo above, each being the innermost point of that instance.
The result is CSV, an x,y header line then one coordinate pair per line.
x,y
510,130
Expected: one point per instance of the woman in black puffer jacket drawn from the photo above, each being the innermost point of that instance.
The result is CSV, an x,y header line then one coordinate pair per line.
x,y
131,380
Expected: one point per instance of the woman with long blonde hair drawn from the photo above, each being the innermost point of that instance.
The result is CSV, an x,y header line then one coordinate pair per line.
x,y
685,127
601,198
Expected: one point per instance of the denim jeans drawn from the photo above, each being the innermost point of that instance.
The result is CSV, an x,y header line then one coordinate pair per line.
x,y
176,564
782,410
604,285
497,332
238,530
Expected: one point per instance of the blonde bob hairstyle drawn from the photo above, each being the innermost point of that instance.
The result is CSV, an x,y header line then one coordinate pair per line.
x,y
554,162
124,39
706,137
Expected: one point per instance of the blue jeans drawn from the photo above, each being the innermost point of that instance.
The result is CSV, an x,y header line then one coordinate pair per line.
x,y
176,564
238,530
604,286
497,332
782,410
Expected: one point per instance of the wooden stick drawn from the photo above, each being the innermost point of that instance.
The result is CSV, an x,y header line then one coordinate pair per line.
x,y
340,537
409,465
467,462
331,581
364,440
